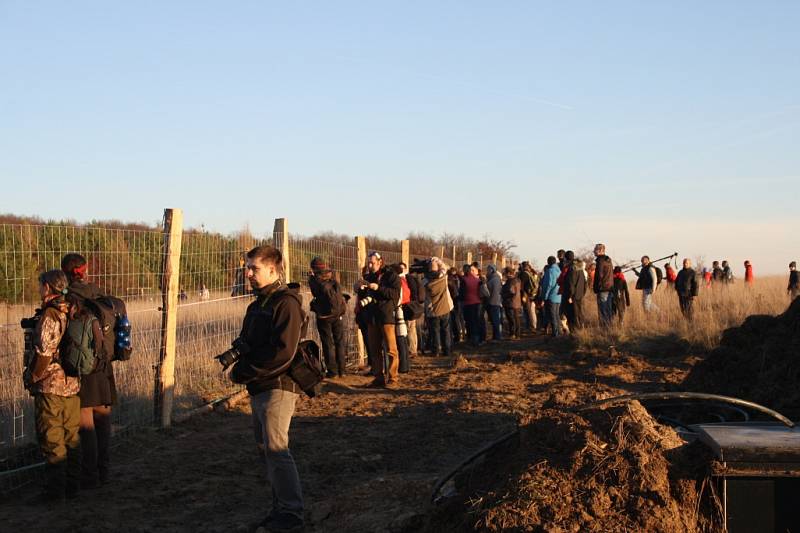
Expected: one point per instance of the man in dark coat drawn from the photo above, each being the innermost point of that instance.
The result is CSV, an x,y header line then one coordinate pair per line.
x,y
382,289
794,281
329,306
572,291
686,287
603,284
267,343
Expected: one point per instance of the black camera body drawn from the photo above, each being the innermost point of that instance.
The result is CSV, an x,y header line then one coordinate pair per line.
x,y
237,350
420,266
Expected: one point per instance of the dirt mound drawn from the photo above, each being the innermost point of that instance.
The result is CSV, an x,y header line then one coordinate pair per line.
x,y
599,470
757,361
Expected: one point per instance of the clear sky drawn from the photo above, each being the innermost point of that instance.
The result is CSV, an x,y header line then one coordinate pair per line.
x,y
650,126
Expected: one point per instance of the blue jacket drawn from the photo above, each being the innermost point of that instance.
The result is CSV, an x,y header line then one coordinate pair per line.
x,y
549,284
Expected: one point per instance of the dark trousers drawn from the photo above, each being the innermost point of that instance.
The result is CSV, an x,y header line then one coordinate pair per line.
x,y
457,324
574,313
439,331
331,336
514,318
553,317
496,317
402,351
472,318
686,306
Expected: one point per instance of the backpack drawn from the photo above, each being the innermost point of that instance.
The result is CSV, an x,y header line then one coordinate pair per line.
x,y
81,347
306,367
115,328
659,276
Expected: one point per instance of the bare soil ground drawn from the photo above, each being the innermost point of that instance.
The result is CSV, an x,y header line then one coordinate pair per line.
x,y
368,458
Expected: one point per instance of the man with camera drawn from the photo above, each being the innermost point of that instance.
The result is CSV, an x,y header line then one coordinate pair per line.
x,y
379,296
261,357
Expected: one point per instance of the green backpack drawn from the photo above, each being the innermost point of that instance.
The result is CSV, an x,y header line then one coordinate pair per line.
x,y
78,354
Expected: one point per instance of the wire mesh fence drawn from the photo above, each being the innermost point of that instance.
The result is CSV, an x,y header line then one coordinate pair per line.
x,y
121,261
129,263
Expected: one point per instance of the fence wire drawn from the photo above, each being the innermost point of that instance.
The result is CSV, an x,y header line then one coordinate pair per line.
x,y
128,263
124,262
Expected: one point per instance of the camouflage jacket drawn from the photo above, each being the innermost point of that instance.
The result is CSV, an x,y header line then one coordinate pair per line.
x,y
46,374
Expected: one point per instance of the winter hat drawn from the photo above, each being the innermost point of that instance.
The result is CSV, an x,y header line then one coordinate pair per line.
x,y
319,265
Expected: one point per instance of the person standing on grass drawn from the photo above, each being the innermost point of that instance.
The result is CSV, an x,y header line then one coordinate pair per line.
x,y
439,307
57,407
603,284
271,331
727,272
493,292
647,282
529,285
749,277
382,285
708,276
512,302
670,275
456,315
551,296
98,389
414,310
686,287
329,306
470,297
573,291
717,275
793,290
621,297
400,323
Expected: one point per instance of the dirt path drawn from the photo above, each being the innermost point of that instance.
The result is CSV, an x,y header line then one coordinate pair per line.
x,y
367,458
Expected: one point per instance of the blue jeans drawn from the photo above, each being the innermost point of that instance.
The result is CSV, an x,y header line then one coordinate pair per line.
x,y
272,415
604,307
496,317
553,317
441,341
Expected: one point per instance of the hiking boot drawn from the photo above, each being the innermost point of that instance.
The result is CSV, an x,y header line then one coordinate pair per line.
x,y
376,383
283,523
392,384
330,374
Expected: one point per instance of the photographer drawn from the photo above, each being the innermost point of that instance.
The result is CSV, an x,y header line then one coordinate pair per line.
x,y
329,305
440,305
266,345
380,295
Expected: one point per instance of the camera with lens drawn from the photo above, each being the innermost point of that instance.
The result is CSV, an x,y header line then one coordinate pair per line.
x,y
237,350
420,266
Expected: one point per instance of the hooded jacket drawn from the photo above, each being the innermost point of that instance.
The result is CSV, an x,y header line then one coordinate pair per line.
x,y
512,293
272,329
44,372
494,285
549,284
574,285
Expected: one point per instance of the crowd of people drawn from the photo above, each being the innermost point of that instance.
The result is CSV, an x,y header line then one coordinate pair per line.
x,y
401,311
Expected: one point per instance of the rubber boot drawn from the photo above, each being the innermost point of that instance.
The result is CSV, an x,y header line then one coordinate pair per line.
x,y
54,482
73,472
89,475
102,427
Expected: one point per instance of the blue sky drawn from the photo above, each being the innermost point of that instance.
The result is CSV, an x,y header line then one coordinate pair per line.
x,y
650,126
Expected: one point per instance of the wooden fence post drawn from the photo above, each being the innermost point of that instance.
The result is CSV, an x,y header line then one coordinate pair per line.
x,y
170,287
502,262
454,255
361,257
405,252
280,236
494,259
469,258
